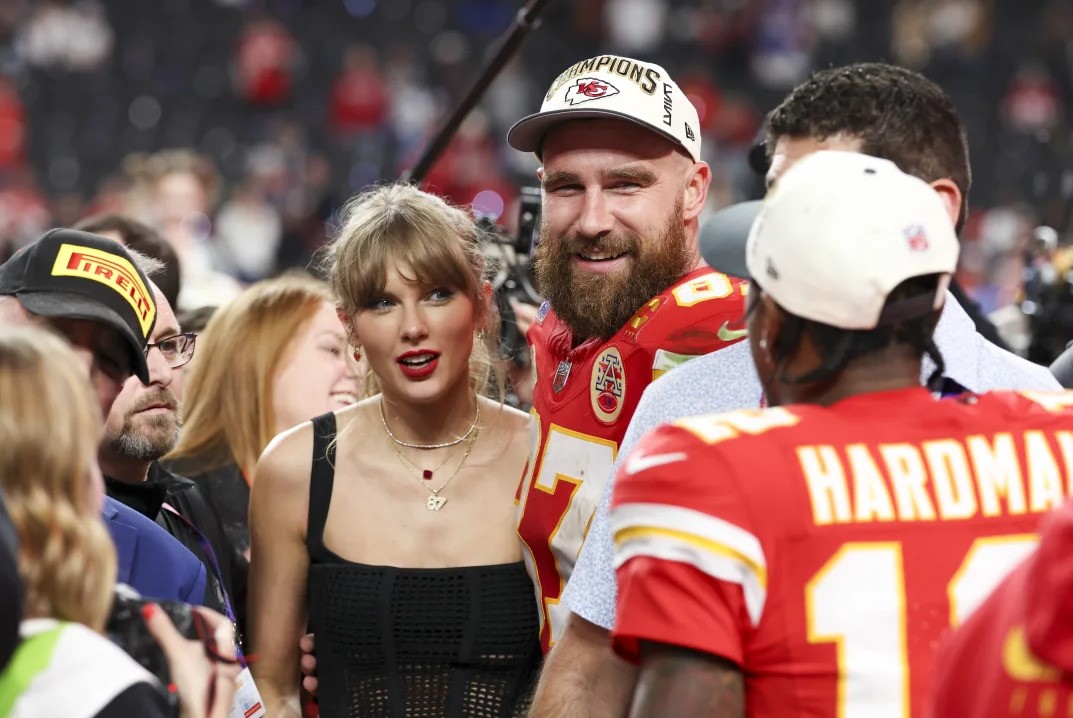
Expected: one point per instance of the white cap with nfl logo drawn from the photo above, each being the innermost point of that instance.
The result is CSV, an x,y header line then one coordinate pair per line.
x,y
613,86
840,230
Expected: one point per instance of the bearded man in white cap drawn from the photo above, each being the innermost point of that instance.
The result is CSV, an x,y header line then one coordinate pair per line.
x,y
628,295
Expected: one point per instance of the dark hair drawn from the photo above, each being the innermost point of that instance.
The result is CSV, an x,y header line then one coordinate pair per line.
x,y
898,115
839,347
195,320
142,238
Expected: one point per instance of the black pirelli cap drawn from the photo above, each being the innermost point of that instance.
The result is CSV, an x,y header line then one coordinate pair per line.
x,y
77,275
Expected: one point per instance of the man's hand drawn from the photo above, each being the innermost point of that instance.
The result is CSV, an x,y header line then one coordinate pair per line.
x,y
309,664
524,314
523,379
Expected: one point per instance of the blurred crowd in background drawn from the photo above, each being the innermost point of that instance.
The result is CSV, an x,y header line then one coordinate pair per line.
x,y
239,127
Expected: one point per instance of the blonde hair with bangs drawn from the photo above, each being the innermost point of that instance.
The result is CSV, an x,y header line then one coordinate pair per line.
x,y
50,426
398,224
228,405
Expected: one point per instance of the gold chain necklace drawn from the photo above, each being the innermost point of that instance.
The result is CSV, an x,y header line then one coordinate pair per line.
x,y
426,474
444,445
435,502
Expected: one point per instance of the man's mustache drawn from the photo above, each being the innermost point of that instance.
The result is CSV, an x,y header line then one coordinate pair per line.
x,y
614,243
161,397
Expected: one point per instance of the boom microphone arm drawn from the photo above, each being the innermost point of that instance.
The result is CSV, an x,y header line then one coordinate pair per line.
x,y
526,20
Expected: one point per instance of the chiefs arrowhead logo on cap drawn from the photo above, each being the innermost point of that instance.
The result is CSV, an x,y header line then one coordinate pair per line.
x,y
589,88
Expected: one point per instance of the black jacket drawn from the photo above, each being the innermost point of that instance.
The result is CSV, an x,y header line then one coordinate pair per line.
x,y
188,499
229,494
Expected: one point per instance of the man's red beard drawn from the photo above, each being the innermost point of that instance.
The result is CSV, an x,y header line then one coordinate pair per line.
x,y
598,304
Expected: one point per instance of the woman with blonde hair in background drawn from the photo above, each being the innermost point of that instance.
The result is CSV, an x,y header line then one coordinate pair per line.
x,y
389,525
50,425
271,359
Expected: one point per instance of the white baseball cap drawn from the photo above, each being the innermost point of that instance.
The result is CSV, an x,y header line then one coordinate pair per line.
x,y
840,230
613,86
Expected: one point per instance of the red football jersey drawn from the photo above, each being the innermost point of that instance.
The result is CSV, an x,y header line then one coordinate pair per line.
x,y
825,550
582,404
1014,656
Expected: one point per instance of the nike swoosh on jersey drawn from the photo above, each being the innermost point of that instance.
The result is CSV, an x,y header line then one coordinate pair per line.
x,y
637,464
727,334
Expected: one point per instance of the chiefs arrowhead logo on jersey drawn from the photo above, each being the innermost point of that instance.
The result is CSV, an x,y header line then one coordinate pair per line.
x,y
608,390
589,88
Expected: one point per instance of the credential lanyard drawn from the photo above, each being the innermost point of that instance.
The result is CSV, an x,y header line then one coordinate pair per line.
x,y
216,570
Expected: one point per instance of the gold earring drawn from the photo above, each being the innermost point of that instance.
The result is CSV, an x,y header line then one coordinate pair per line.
x,y
357,354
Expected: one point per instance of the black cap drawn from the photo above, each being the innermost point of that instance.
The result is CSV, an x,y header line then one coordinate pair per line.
x,y
758,161
77,275
723,237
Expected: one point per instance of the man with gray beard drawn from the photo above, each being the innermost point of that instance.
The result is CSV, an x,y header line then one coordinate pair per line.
x,y
143,425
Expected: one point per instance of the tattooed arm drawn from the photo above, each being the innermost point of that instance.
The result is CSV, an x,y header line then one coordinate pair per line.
x,y
686,684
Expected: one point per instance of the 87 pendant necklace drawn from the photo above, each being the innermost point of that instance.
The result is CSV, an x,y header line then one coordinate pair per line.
x,y
435,502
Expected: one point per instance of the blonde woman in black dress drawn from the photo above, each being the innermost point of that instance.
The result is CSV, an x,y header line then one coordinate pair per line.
x,y
388,527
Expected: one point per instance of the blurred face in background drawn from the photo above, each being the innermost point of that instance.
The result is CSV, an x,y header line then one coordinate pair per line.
x,y
181,205
179,195
315,377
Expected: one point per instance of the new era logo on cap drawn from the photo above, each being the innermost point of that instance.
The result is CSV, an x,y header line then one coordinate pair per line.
x,y
609,86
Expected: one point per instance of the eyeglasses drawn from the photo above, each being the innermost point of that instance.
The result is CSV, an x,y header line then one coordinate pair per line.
x,y
176,350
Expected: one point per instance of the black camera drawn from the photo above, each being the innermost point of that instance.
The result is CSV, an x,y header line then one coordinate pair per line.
x,y
126,628
528,220
509,256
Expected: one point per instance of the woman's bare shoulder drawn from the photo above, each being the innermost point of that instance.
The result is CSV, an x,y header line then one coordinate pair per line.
x,y
356,416
505,418
290,453
285,463
507,430
290,447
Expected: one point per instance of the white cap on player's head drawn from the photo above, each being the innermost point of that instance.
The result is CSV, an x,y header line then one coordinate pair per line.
x,y
840,230
613,86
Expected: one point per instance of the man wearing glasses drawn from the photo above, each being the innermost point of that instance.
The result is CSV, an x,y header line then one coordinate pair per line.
x,y
143,425
95,293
